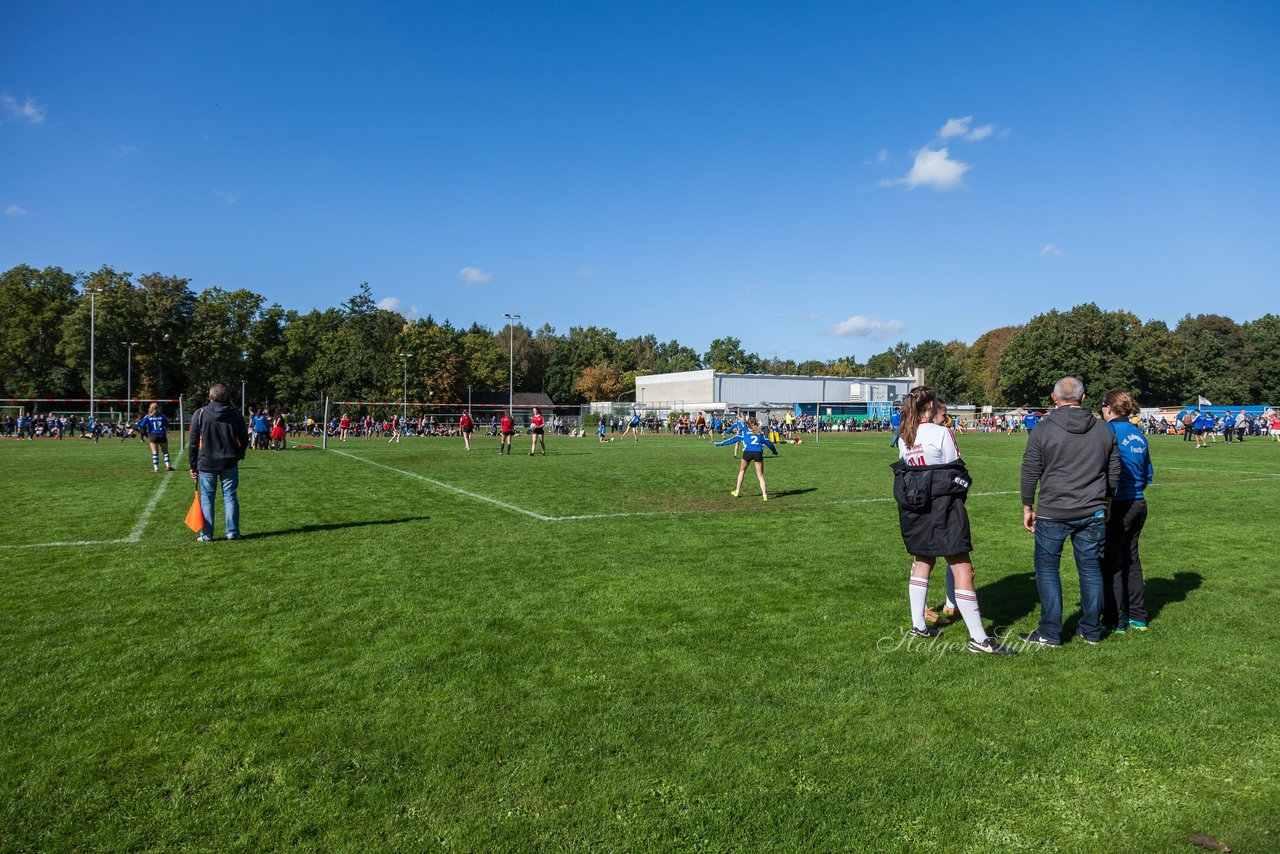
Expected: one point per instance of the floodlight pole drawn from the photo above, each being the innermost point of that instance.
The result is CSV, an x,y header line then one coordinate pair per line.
x,y
511,360
129,373
93,318
406,357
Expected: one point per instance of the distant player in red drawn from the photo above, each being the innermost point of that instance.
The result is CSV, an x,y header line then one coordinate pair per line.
x,y
507,428
466,425
536,424
344,424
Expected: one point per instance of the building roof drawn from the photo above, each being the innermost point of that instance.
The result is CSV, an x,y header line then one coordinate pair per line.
x,y
708,373
539,399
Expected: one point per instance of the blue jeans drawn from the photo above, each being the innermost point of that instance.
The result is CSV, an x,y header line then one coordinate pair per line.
x,y
230,480
1088,538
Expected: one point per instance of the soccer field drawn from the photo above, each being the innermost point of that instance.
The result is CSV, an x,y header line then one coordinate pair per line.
x,y
416,647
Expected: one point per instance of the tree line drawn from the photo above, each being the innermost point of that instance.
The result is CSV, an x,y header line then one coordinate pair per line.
x,y
183,341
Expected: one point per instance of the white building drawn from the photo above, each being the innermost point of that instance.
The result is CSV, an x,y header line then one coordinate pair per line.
x,y
713,391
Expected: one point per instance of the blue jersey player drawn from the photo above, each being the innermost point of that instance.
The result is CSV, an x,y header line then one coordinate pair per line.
x,y
156,428
633,426
753,444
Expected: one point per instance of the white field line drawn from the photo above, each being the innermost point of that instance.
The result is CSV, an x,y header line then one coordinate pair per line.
x,y
460,491
579,517
1229,474
141,525
588,516
134,536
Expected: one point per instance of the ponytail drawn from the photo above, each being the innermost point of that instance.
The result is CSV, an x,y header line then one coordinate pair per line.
x,y
917,408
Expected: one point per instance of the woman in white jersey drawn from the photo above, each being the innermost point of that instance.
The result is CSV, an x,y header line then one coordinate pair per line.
x,y
930,486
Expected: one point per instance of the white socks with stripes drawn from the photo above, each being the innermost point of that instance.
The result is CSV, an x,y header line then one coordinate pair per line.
x,y
967,602
918,591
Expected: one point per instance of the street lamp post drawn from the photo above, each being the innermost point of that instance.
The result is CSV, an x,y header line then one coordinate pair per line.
x,y
406,357
93,320
511,359
129,373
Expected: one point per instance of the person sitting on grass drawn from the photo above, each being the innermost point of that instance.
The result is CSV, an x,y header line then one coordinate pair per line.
x,y
753,444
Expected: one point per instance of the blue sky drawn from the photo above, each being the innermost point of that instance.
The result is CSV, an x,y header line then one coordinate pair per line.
x,y
814,179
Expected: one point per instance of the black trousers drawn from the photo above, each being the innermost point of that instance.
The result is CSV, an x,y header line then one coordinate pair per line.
x,y
1122,585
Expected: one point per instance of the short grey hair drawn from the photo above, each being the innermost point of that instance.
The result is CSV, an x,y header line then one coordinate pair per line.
x,y
219,392
1069,390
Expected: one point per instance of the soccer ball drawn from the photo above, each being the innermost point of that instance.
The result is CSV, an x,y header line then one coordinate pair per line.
x,y
610,438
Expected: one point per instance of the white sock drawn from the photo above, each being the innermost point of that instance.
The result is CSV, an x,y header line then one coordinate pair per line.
x,y
951,588
967,601
918,592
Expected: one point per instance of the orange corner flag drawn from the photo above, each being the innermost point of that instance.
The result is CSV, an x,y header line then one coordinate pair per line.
x,y
195,516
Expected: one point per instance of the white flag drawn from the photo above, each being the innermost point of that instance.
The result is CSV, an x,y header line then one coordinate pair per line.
x,y
1204,401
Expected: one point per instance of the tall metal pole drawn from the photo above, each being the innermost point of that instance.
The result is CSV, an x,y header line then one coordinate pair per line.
x,y
129,373
93,320
511,359
406,357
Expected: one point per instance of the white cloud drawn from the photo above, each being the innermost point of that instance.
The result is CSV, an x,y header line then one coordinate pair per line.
x,y
586,272
933,169
883,156
475,276
955,127
227,198
1050,249
396,304
125,150
964,127
28,111
15,210
812,316
861,327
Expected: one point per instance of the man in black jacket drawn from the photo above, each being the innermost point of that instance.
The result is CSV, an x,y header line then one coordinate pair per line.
x,y
1072,456
216,447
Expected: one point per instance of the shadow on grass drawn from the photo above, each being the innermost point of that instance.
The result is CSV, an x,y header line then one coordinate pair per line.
x,y
1009,599
1166,591
1158,593
784,493
333,526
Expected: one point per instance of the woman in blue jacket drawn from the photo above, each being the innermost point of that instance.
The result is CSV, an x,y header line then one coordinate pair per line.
x,y
1124,605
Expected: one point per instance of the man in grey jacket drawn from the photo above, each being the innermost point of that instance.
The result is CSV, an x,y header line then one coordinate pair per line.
x,y
1072,456
216,446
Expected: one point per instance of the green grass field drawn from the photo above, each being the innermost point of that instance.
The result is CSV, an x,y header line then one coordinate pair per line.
x,y
417,648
